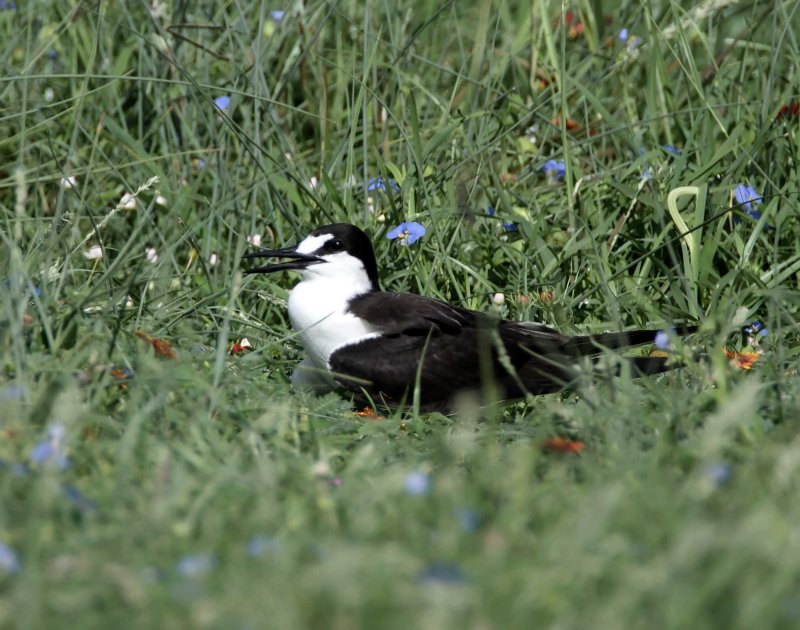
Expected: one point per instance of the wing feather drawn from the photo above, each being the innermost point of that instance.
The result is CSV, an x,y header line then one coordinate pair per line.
x,y
448,348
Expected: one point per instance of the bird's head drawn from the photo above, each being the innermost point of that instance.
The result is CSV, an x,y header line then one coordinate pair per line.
x,y
340,252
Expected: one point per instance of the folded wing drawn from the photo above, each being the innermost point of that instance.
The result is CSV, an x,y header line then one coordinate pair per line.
x,y
449,349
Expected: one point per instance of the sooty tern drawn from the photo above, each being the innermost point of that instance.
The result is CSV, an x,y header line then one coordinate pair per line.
x,y
363,339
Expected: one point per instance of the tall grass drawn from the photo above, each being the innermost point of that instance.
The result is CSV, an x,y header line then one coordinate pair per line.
x,y
147,146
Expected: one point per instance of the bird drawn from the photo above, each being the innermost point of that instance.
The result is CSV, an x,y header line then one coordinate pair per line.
x,y
381,345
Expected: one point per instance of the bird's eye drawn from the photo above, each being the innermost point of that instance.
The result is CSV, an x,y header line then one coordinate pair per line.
x,y
337,245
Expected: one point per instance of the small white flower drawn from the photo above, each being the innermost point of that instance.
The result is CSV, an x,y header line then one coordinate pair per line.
x,y
56,433
532,133
313,182
499,298
254,239
68,183
152,254
321,469
158,9
93,253
161,200
213,260
49,95
128,201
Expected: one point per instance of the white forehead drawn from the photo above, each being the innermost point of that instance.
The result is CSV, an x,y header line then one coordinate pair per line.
x,y
310,244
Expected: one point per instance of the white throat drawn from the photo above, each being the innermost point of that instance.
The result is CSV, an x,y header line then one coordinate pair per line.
x,y
318,306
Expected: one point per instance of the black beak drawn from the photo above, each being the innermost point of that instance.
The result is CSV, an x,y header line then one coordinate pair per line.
x,y
299,262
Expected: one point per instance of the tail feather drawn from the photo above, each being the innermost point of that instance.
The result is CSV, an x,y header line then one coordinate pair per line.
x,y
594,344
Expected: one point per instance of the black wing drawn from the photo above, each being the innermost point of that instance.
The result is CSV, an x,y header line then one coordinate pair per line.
x,y
451,349
407,313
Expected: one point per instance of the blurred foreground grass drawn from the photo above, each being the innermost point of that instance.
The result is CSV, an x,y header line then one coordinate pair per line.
x,y
155,476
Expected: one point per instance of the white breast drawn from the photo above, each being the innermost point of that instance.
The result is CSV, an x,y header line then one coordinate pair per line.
x,y
318,312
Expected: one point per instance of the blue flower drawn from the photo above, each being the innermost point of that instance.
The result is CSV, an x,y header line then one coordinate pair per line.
x,y
259,545
718,473
51,450
7,6
444,572
277,16
10,283
746,196
554,169
662,340
756,328
630,42
378,183
755,332
196,565
52,53
408,232
79,500
222,102
468,519
9,560
490,211
670,149
12,392
510,227
20,470
417,483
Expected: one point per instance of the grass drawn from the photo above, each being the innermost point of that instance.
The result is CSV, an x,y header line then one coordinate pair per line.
x,y
201,491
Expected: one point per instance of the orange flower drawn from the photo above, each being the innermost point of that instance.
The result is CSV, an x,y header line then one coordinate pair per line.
x,y
121,374
368,413
546,296
161,347
741,360
575,25
575,30
562,445
570,124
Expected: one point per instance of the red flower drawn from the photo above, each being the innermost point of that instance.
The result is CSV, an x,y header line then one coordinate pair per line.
x,y
562,445
161,347
241,346
575,25
792,110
